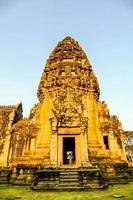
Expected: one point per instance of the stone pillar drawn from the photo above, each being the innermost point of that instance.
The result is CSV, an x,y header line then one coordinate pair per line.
x,y
43,139
78,150
54,149
84,149
6,150
93,142
92,133
60,151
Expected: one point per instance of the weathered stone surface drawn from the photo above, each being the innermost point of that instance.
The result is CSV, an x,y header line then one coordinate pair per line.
x,y
69,121
69,179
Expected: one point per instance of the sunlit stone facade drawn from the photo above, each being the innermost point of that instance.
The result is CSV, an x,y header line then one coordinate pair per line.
x,y
69,118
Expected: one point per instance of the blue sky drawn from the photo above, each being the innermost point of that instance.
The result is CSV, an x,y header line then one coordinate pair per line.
x,y
30,29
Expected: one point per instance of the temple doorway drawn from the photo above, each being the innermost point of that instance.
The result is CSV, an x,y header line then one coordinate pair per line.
x,y
69,150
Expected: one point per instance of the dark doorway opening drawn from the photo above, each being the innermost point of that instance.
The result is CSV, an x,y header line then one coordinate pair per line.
x,y
106,141
69,150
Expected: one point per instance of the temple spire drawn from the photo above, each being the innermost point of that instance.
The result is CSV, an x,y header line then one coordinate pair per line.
x,y
67,59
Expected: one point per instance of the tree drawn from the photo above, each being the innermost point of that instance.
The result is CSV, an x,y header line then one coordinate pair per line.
x,y
129,145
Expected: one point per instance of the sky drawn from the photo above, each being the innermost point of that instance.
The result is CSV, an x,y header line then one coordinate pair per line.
x,y
30,29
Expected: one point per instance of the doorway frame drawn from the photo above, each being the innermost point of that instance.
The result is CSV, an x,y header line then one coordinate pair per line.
x,y
77,150
72,139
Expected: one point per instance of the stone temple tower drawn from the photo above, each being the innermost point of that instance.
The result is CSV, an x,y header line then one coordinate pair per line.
x,y
69,126
72,117
63,90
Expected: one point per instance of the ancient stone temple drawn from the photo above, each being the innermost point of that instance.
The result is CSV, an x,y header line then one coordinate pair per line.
x,y
69,127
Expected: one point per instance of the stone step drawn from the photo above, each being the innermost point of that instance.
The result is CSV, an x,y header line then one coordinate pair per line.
x,y
69,172
69,188
63,184
68,180
67,176
68,169
48,179
47,182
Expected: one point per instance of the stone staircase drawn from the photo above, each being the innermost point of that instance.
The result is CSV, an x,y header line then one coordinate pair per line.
x,y
64,179
69,180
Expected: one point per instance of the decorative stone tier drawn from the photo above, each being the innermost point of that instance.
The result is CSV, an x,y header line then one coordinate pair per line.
x,y
66,67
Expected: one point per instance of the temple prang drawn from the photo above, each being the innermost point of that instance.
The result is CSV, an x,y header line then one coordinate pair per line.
x,y
68,128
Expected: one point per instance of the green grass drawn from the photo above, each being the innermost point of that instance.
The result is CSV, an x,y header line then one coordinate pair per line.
x,y
26,194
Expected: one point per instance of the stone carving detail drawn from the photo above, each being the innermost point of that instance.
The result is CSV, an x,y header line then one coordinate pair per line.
x,y
69,106
117,130
68,77
110,124
68,68
21,133
9,115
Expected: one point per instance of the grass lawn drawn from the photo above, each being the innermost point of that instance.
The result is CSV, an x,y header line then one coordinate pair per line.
x,y
7,192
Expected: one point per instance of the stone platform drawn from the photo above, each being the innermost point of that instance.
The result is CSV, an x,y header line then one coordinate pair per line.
x,y
5,174
68,179
65,179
